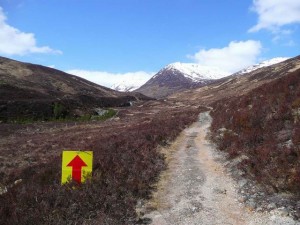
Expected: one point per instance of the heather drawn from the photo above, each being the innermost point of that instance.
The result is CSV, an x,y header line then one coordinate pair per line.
x,y
127,162
263,129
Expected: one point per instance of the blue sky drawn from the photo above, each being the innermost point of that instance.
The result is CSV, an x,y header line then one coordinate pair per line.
x,y
110,40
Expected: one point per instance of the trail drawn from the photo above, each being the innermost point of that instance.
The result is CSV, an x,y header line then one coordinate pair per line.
x,y
196,189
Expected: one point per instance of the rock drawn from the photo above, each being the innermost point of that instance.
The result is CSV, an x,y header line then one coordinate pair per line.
x,y
144,221
100,112
3,190
259,209
283,211
284,135
254,195
251,203
242,199
239,159
271,206
220,191
288,144
298,204
17,181
242,182
296,114
240,173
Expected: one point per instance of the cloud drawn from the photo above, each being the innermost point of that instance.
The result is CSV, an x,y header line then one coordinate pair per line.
x,y
273,14
232,58
108,79
16,42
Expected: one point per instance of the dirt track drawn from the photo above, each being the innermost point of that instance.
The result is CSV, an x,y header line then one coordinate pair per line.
x,y
196,189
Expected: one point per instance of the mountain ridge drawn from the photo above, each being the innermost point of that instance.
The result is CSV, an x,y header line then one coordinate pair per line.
x,y
262,64
176,77
196,72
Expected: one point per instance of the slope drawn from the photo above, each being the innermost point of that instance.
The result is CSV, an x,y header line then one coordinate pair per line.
x,y
236,84
31,91
264,125
265,63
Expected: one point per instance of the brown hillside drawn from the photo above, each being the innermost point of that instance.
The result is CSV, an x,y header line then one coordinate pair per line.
x,y
264,126
237,85
31,91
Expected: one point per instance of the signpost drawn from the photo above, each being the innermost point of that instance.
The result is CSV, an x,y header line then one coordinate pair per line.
x,y
76,166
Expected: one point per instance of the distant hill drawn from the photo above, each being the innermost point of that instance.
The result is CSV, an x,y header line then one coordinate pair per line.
x,y
177,77
124,87
32,91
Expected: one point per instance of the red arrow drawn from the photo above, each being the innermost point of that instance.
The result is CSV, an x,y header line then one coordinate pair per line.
x,y
77,163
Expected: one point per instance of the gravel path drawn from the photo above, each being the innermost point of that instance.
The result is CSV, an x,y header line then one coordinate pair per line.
x,y
196,189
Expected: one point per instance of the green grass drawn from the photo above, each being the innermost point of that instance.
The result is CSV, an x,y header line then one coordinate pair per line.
x,y
2,82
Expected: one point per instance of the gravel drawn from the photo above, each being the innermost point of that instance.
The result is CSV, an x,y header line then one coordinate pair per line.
x,y
198,189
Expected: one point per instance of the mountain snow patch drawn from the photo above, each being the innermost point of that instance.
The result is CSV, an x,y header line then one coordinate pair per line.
x,y
196,72
124,86
265,63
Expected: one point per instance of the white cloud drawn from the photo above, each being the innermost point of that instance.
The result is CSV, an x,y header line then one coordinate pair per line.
x,y
16,42
108,79
273,14
232,58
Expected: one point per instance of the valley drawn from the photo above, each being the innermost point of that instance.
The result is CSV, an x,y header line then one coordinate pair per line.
x,y
133,148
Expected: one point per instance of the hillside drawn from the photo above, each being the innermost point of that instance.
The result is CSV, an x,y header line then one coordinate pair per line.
x,y
237,84
256,122
31,91
263,126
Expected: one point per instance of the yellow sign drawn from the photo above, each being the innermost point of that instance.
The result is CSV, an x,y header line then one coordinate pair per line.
x,y
76,166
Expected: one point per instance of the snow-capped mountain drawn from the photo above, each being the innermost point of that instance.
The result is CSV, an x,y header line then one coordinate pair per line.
x,y
125,87
196,72
265,63
183,76
131,81
178,77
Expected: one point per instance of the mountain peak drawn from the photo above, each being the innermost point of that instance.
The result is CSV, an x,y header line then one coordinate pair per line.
x,y
123,86
179,77
262,64
196,72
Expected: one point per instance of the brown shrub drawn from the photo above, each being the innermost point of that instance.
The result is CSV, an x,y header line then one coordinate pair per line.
x,y
267,132
126,165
